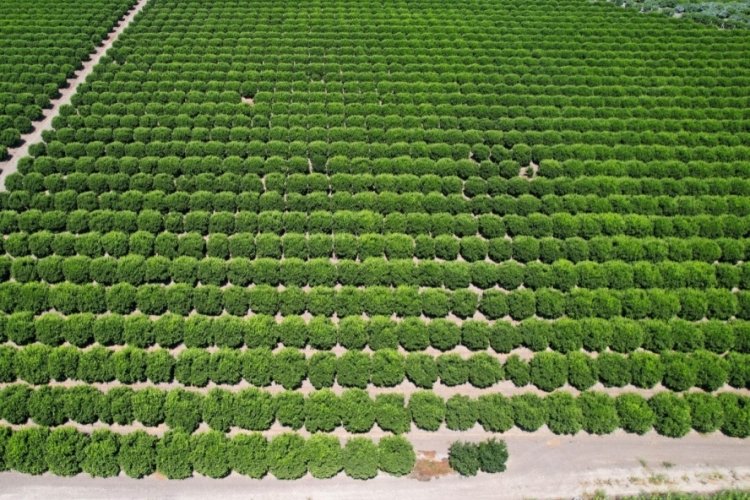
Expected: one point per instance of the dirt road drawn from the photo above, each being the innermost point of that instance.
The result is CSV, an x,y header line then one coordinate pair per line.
x,y
11,165
541,465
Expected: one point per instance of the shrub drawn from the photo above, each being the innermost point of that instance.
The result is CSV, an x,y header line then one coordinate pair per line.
x,y
421,369
427,410
219,409
286,456
25,451
613,369
634,413
148,406
248,455
484,370
173,454
529,411
736,409
444,335
137,455
353,369
360,456
183,410
599,415
582,370
679,371
706,412
324,456
396,455
549,370
290,409
452,369
289,368
100,456
391,413
464,458
646,369
493,455
64,451
253,409
322,411
208,454
711,370
564,416
672,414
357,410
387,368
494,412
460,413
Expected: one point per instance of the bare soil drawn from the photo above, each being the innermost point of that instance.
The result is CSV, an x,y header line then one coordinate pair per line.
x,y
35,136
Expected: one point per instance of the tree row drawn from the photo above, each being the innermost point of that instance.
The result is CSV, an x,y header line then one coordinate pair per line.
x,y
356,412
38,364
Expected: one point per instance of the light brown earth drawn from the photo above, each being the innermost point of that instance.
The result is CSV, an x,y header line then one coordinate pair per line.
x,y
35,136
541,465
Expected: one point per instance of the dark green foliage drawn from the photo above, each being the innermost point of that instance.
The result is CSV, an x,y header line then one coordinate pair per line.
x,y
460,413
599,415
208,455
706,412
322,410
287,458
549,370
100,456
183,410
464,458
391,414
356,410
672,414
427,410
493,455
289,368
253,409
218,409
25,451
529,411
396,455
564,416
248,455
324,456
137,455
494,412
173,454
64,451
360,457
353,369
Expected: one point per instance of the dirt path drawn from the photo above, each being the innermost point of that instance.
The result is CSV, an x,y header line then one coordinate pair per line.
x,y
11,165
541,465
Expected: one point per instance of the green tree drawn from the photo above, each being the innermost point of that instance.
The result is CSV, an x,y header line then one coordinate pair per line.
x,y
137,455
173,455
360,456
248,455
64,451
25,451
324,456
100,456
464,458
286,456
209,452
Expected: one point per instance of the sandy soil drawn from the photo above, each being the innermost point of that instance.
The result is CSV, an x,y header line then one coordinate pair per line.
x,y
11,165
541,465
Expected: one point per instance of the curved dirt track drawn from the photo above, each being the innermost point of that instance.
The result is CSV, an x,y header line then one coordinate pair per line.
x,y
11,165
541,465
